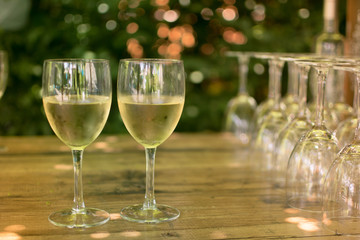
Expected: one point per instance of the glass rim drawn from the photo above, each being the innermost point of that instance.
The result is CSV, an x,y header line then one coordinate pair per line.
x,y
151,60
68,60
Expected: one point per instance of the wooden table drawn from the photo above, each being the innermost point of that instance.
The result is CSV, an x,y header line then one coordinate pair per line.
x,y
208,177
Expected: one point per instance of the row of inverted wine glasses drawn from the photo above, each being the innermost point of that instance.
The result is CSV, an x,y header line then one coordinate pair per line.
x,y
315,181
274,113
319,178
243,115
77,97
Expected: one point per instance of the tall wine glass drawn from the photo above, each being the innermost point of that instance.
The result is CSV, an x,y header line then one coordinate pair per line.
x,y
77,99
240,110
151,95
291,134
312,155
268,130
341,193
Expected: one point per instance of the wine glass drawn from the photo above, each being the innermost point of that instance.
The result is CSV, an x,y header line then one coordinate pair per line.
x,y
312,155
345,131
268,130
291,134
77,98
240,110
151,95
341,193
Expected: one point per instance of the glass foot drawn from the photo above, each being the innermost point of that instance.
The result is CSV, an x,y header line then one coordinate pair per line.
x,y
89,217
161,213
343,225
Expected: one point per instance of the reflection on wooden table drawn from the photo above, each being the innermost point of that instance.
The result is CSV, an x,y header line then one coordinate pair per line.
x,y
209,177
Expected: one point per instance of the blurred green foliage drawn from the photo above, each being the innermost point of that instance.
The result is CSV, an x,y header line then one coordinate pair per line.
x,y
84,29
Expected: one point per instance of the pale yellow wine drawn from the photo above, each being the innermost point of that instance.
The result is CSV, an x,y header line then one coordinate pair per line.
x,y
77,122
152,122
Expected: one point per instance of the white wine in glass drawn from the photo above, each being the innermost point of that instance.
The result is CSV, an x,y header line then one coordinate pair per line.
x,y
151,94
77,99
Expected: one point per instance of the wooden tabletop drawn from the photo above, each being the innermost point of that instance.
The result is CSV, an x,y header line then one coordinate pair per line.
x,y
207,176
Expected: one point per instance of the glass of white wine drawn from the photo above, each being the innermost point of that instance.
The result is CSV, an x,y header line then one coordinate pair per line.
x,y
77,99
151,94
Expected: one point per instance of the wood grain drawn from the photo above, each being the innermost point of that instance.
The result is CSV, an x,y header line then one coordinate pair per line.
x,y
209,177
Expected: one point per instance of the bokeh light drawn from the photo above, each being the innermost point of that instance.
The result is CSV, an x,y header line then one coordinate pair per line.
x,y
163,30
111,25
207,13
103,8
230,35
132,28
171,16
230,13
304,13
134,48
259,12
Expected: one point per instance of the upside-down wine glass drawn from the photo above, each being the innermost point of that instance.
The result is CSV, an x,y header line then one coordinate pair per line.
x,y
77,99
240,109
268,131
265,106
341,193
312,155
4,66
291,134
151,95
345,131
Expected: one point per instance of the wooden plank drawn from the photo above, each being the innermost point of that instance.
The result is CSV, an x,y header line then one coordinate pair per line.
x,y
208,177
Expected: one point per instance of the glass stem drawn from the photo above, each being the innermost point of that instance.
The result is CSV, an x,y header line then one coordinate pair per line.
x,y
150,202
357,89
271,80
321,80
277,71
243,72
292,79
304,75
79,204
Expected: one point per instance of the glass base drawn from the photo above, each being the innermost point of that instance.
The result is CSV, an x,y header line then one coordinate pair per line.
x,y
88,217
305,204
343,225
161,213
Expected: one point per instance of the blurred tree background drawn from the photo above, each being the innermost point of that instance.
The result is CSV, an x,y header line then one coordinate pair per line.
x,y
196,31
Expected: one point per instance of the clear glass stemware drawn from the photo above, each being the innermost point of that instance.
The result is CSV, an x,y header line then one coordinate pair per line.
x,y
151,95
313,154
341,193
292,133
240,109
77,99
275,120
